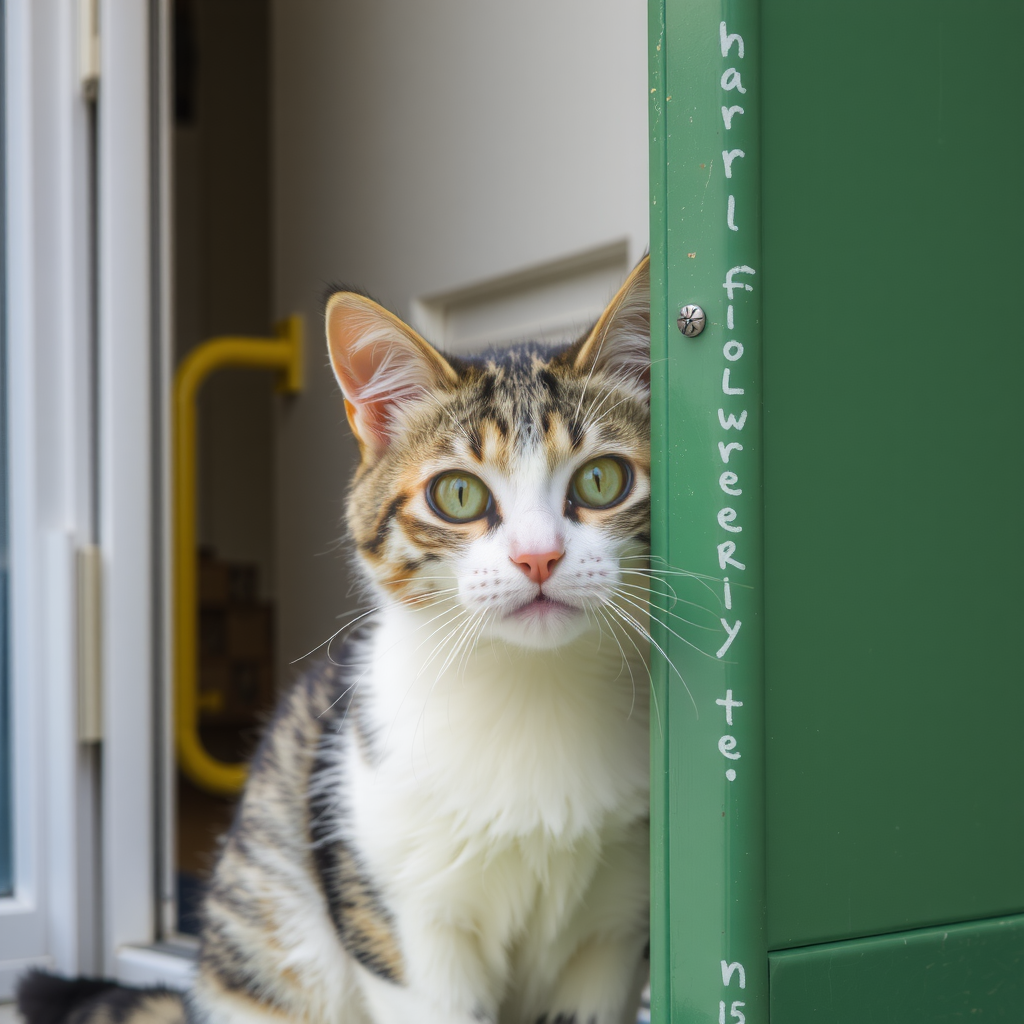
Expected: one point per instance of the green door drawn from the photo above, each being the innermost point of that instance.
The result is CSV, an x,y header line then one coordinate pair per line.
x,y
837,755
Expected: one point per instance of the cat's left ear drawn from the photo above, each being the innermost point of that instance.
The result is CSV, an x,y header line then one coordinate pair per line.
x,y
620,342
381,364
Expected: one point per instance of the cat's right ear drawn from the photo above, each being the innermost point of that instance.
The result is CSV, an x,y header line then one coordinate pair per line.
x,y
381,364
620,341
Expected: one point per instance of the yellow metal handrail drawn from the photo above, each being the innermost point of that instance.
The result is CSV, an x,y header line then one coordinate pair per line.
x,y
284,354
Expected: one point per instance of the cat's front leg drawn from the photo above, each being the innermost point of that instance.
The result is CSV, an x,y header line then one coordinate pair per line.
x,y
599,978
391,1003
601,984
444,982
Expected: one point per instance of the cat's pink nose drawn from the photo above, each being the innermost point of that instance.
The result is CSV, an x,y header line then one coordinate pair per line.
x,y
538,567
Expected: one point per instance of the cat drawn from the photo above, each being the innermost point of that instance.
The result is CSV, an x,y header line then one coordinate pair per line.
x,y
448,822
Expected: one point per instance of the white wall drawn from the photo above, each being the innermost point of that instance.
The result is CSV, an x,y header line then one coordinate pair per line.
x,y
420,147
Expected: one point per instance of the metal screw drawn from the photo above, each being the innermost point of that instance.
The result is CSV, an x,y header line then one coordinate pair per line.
x,y
691,321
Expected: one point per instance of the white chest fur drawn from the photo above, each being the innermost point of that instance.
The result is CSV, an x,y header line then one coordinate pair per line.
x,y
497,781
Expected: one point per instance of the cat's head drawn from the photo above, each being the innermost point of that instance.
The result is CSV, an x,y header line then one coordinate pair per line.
x,y
513,486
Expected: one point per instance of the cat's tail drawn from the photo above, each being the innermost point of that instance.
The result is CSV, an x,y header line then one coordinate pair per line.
x,y
47,999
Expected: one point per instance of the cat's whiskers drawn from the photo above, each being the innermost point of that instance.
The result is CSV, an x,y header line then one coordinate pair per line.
x,y
464,643
419,576
374,661
483,621
674,570
645,633
364,613
464,632
617,380
419,601
452,622
701,577
666,611
646,610
587,609
630,569
676,598
625,662
413,599
595,424
456,635
626,571
603,394
608,390
644,661
660,573
424,605
586,383
337,632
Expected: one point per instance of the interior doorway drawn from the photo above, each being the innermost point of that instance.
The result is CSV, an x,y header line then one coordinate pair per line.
x,y
221,217
479,169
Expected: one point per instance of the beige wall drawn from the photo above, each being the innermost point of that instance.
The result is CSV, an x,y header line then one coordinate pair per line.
x,y
421,146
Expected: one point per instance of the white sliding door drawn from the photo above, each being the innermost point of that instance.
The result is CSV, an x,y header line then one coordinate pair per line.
x,y
85,375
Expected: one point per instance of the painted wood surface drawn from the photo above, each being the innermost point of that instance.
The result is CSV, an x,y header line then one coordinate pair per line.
x,y
893,218
709,957
929,976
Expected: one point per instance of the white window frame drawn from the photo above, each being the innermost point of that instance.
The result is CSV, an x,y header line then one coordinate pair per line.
x,y
86,875
45,921
125,270
134,467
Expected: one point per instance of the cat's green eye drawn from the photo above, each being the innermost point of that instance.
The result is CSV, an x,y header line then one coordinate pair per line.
x,y
458,497
601,483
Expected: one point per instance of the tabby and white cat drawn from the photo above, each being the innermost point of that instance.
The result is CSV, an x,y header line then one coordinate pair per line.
x,y
450,822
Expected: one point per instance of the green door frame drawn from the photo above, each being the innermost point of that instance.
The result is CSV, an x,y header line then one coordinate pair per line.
x,y
709,953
